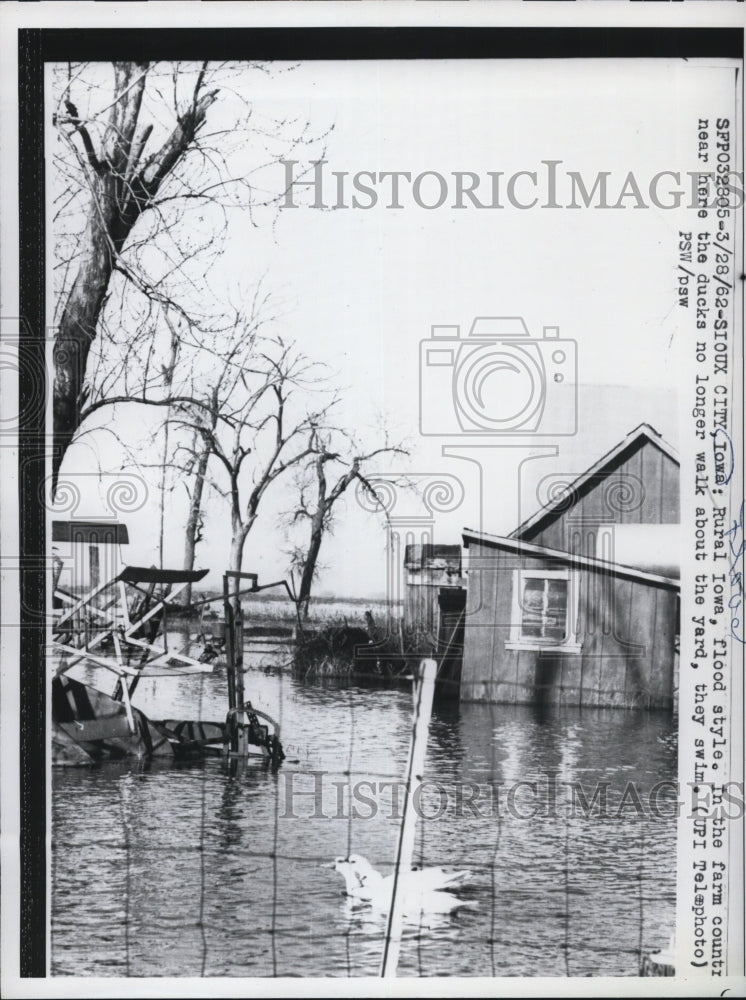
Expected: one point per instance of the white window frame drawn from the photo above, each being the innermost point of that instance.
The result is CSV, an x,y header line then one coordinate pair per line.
x,y
571,643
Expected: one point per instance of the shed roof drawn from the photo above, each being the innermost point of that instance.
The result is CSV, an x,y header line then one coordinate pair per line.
x,y
603,467
432,556
93,532
517,545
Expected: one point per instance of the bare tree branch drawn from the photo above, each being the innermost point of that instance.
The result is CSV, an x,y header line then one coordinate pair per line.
x,y
333,447
133,162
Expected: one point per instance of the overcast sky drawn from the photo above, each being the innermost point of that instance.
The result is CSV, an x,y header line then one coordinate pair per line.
x,y
363,288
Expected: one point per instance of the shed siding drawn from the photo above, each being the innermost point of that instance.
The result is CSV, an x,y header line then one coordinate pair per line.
x,y
421,609
626,628
653,480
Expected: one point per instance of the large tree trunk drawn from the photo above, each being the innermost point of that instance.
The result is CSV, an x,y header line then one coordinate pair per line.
x,y
236,552
240,533
236,563
112,211
76,333
194,519
309,564
123,185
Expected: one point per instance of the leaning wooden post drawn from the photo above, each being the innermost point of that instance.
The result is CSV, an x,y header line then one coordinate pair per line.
x,y
238,655
229,643
424,688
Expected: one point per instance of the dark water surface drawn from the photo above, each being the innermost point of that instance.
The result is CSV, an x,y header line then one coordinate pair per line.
x,y
189,870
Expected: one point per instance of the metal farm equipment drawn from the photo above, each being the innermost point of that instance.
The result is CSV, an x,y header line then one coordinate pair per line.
x,y
121,626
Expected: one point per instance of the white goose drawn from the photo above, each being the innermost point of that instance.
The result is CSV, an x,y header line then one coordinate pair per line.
x,y
424,890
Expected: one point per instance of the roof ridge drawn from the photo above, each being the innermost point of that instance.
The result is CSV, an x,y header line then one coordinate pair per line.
x,y
643,429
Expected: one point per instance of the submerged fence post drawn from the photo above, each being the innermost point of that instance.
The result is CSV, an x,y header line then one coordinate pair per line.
x,y
237,734
238,658
229,644
423,703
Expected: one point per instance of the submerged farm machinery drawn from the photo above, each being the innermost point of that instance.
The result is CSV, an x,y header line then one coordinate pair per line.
x,y
119,627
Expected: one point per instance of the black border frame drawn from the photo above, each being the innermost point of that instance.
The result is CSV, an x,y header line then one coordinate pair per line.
x,y
37,46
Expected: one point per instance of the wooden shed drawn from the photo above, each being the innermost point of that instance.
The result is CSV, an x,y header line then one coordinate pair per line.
x,y
86,553
430,570
580,604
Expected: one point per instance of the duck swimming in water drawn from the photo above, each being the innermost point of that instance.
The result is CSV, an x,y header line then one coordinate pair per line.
x,y
424,890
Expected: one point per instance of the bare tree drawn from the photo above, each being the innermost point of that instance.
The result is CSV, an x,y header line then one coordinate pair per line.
x,y
193,531
143,190
253,425
319,492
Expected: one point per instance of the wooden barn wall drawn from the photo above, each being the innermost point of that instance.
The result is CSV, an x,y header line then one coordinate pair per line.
x,y
421,608
648,471
626,627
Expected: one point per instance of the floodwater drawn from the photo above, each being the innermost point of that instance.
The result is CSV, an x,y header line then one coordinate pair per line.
x,y
191,870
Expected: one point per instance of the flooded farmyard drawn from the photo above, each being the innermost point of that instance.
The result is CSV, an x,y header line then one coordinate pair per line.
x,y
200,869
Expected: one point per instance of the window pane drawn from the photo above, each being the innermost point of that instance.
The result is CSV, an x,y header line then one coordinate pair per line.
x,y
544,609
556,610
557,601
533,586
532,627
555,632
532,607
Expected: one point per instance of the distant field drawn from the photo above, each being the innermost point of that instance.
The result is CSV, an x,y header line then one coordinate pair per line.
x,y
277,608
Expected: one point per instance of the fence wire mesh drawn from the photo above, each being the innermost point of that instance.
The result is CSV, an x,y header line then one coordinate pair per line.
x,y
211,868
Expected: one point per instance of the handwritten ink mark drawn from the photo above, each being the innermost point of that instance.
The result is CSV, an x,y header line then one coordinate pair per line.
x,y
722,450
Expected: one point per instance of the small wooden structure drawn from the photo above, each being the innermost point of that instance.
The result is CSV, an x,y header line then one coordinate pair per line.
x,y
556,615
120,625
450,646
86,552
430,570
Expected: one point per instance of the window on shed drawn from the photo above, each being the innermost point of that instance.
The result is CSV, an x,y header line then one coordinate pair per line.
x,y
545,610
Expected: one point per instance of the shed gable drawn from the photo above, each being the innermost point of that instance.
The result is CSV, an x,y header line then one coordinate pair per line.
x,y
637,484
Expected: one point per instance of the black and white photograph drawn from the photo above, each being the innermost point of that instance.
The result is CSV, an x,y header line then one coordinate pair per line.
x,y
372,499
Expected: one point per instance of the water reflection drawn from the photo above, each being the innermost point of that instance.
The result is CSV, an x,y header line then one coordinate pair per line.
x,y
194,870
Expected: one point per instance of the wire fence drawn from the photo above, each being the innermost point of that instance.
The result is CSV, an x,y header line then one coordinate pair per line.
x,y
209,868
